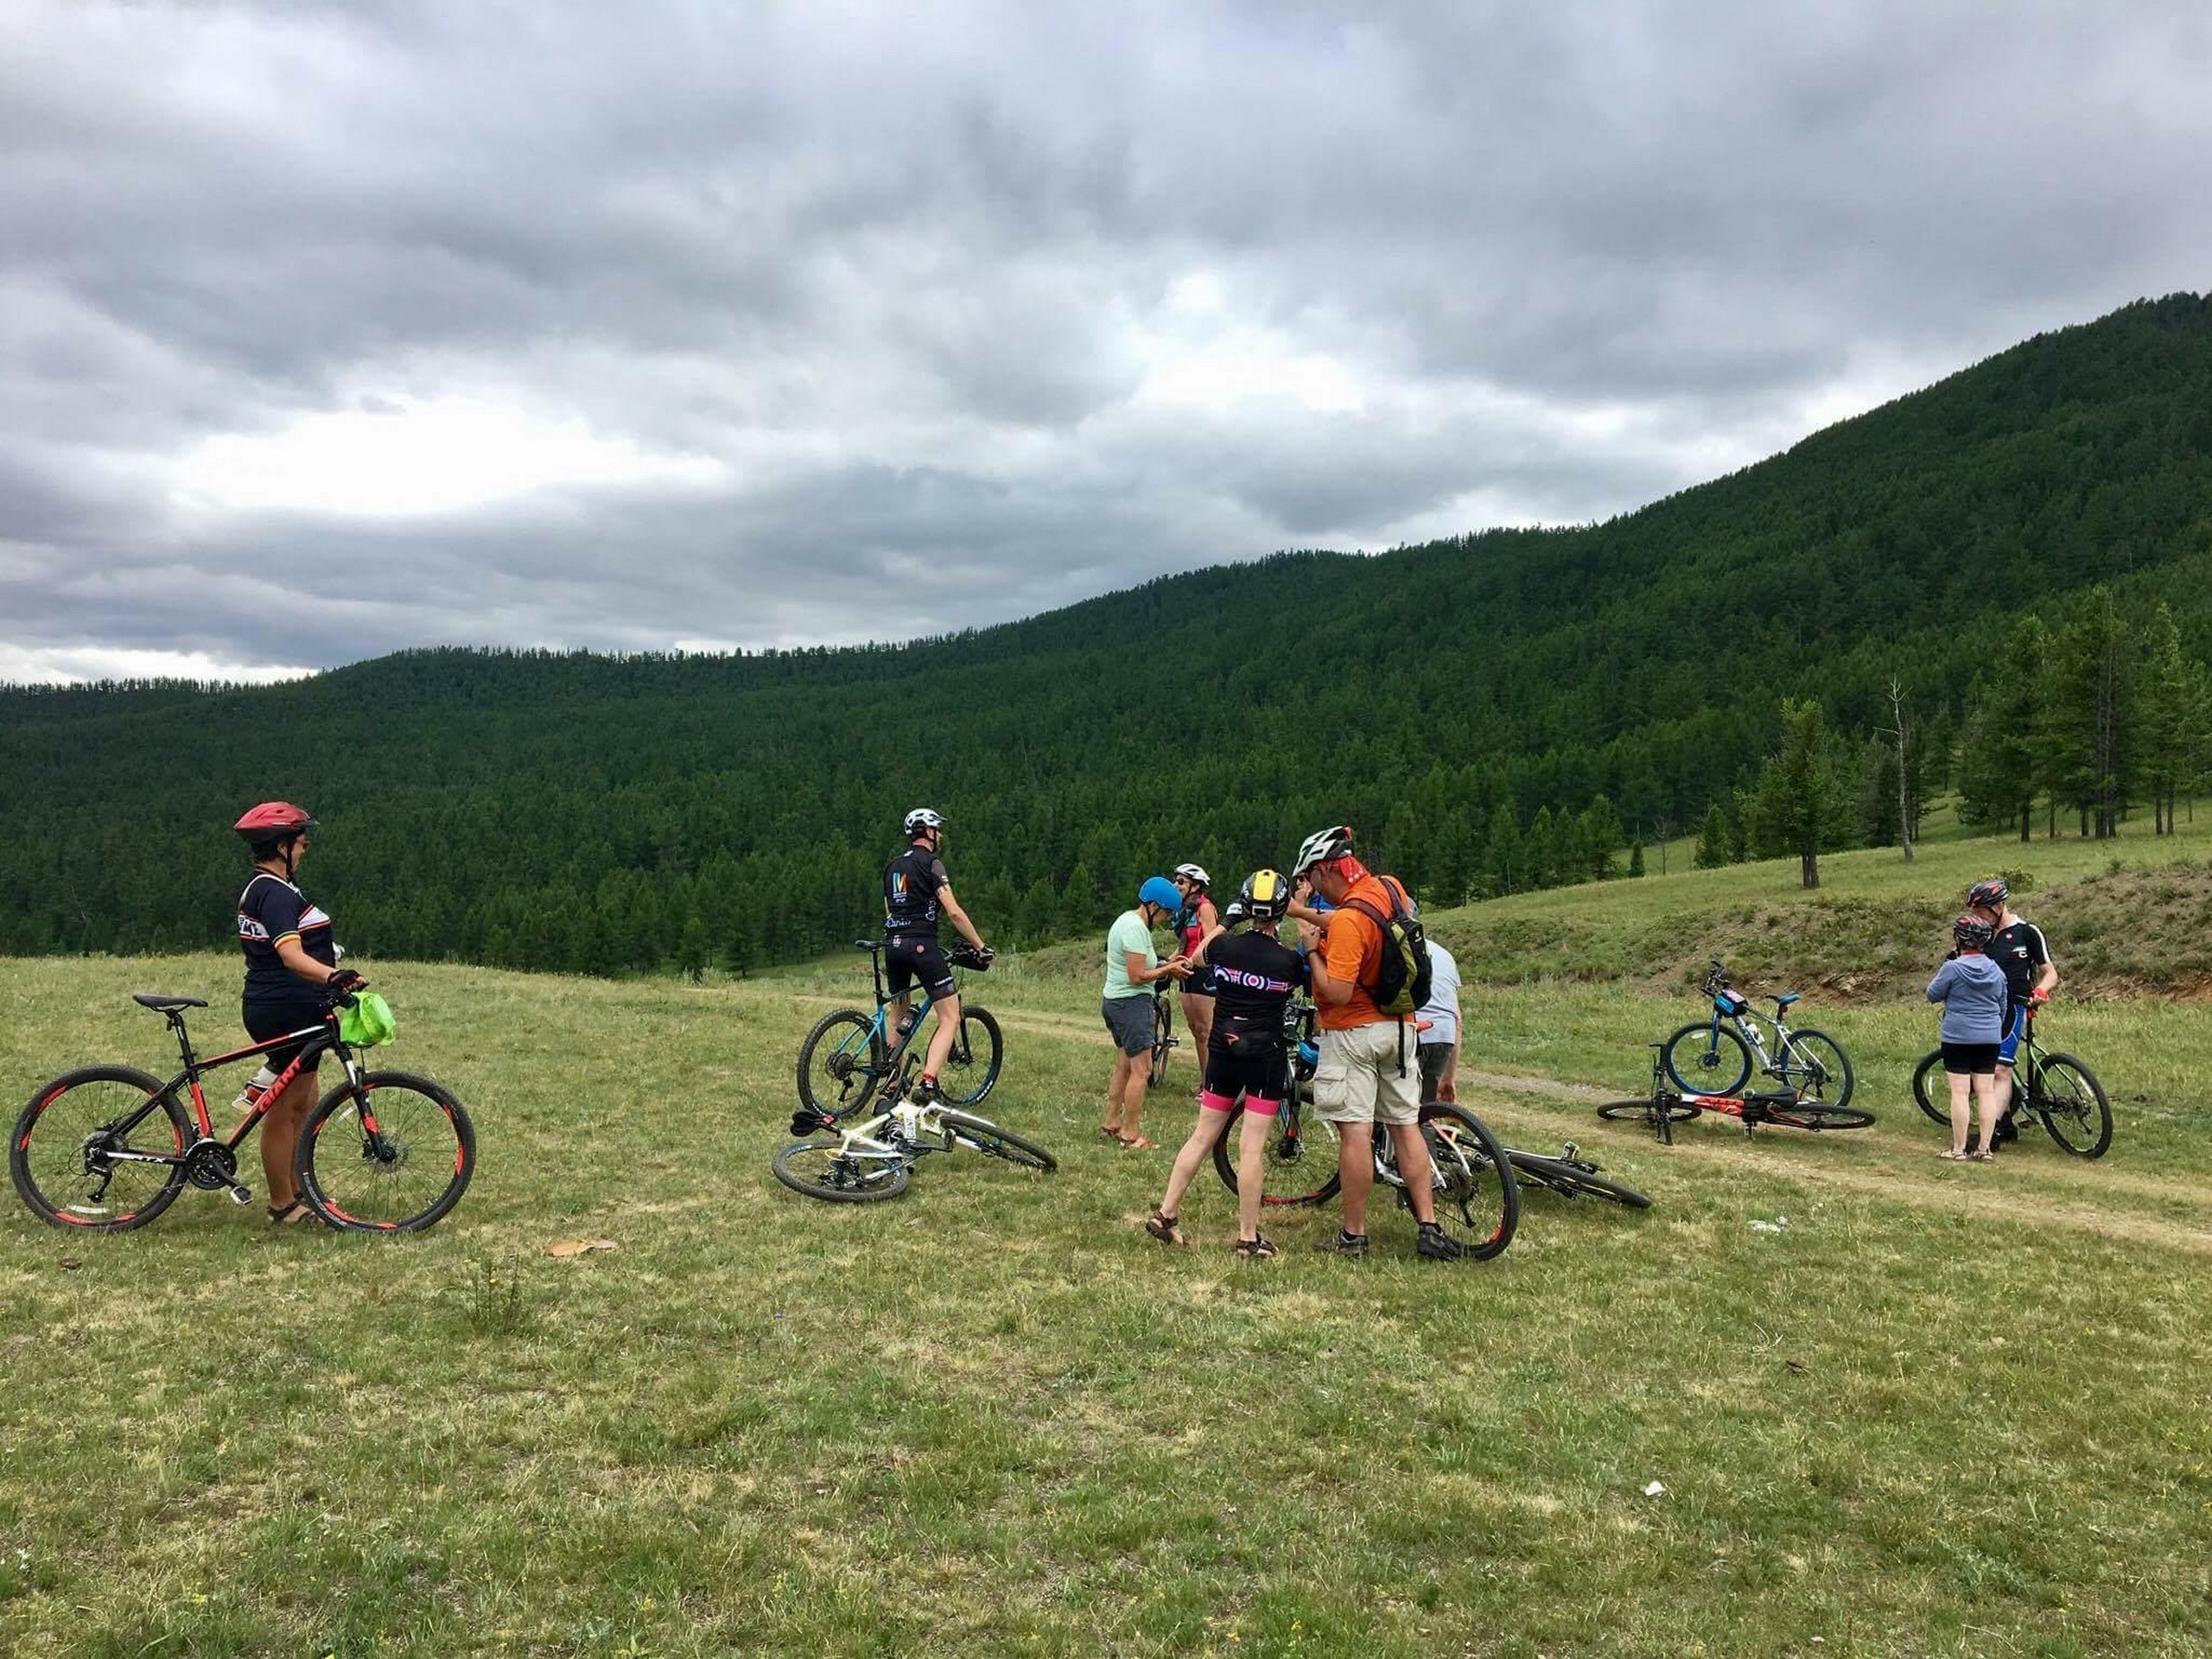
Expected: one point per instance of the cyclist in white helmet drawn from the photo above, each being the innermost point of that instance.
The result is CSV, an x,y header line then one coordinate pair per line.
x,y
916,890
1196,922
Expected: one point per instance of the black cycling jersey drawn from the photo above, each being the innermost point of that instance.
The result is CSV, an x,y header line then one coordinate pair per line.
x,y
270,910
2020,950
912,882
1253,975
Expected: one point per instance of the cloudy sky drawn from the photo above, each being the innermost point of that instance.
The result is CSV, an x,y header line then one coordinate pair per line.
x,y
327,329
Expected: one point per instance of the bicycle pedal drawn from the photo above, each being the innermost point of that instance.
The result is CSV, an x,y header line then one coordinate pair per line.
x,y
240,1195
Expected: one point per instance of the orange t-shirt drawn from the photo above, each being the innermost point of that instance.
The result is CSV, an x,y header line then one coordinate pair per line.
x,y
1352,949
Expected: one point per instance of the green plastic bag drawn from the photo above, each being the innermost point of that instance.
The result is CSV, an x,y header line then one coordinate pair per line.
x,y
368,1023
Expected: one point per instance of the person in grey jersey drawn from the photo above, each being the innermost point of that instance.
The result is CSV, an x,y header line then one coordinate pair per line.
x,y
1971,988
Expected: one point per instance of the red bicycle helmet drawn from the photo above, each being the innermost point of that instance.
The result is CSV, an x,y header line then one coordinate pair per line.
x,y
1972,933
273,821
1992,895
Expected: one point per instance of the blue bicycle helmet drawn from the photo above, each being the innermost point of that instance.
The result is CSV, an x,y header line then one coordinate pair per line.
x,y
1159,890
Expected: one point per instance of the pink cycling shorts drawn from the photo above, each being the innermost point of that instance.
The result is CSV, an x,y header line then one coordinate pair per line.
x,y
1210,1102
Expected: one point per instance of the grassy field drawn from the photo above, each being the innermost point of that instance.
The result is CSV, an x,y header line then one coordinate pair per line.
x,y
1938,1411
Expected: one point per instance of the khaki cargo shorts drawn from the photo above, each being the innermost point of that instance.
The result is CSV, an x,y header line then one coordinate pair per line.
x,y
1358,1080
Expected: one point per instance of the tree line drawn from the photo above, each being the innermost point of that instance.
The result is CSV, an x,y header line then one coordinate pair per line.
x,y
1493,712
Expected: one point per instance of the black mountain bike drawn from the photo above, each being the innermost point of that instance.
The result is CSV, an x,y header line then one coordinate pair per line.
x,y
1163,1039
2057,1088
1572,1176
108,1148
851,1057
1477,1202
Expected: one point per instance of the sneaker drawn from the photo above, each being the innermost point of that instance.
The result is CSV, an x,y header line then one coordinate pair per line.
x,y
1348,1244
1436,1244
926,1093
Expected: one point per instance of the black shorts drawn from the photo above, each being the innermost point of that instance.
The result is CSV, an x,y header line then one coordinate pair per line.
x,y
1971,1059
264,1020
1202,981
1260,1072
912,957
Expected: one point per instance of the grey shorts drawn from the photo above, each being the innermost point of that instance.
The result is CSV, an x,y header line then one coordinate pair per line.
x,y
1435,1060
1129,1019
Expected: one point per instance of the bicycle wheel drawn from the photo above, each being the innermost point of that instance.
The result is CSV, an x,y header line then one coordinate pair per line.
x,y
1815,1065
1707,1059
823,1169
971,1070
840,1062
61,1153
1649,1111
1297,1167
992,1141
1812,1114
1571,1179
1163,1039
2072,1104
390,1154
1477,1200
1933,1099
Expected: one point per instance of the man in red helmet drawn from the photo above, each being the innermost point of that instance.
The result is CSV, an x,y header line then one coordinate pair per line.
x,y
292,965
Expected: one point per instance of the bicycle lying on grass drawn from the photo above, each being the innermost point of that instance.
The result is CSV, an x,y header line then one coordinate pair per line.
x,y
850,1056
110,1146
1667,1106
1572,1176
2057,1088
1711,1057
875,1159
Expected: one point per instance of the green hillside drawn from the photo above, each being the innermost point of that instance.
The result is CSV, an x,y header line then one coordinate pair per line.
x,y
592,814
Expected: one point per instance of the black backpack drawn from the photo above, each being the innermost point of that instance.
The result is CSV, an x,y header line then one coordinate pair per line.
x,y
1402,975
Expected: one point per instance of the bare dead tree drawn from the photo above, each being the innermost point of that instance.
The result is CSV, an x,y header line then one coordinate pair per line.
x,y
1897,730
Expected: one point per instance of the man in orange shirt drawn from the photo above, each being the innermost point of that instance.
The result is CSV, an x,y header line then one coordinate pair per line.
x,y
1369,1071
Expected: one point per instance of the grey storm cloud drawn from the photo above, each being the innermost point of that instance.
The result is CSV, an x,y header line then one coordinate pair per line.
x,y
629,325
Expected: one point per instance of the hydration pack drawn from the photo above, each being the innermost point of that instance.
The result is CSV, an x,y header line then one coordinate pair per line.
x,y
1402,974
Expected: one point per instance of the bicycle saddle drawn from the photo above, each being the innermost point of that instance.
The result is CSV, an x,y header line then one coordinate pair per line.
x,y
1785,998
165,1004
868,945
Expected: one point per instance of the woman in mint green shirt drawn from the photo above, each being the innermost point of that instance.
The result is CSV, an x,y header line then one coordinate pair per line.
x,y
1132,965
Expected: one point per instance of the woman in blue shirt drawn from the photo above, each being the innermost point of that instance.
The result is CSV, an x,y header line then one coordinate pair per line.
x,y
1971,988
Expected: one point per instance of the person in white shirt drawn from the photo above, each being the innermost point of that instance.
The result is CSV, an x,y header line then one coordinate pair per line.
x,y
1439,1018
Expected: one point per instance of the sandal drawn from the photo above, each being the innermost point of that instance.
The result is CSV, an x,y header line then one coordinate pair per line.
x,y
1956,1157
1984,1156
1137,1143
292,1214
1167,1228
1257,1247
1111,1131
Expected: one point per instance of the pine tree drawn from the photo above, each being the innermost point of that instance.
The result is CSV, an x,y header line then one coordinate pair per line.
x,y
1712,840
1799,803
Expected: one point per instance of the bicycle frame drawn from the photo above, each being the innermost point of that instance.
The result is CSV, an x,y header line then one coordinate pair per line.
x,y
323,1039
889,1051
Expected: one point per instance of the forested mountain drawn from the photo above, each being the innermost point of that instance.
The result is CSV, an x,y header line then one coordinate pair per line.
x,y
1458,702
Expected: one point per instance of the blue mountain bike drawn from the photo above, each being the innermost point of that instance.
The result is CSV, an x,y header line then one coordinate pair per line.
x,y
851,1057
1713,1055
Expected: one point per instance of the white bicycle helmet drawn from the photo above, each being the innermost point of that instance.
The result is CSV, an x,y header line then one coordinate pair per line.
x,y
1191,873
923,817
1320,847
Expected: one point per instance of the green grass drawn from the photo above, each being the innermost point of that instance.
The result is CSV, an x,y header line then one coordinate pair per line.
x,y
1943,1411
